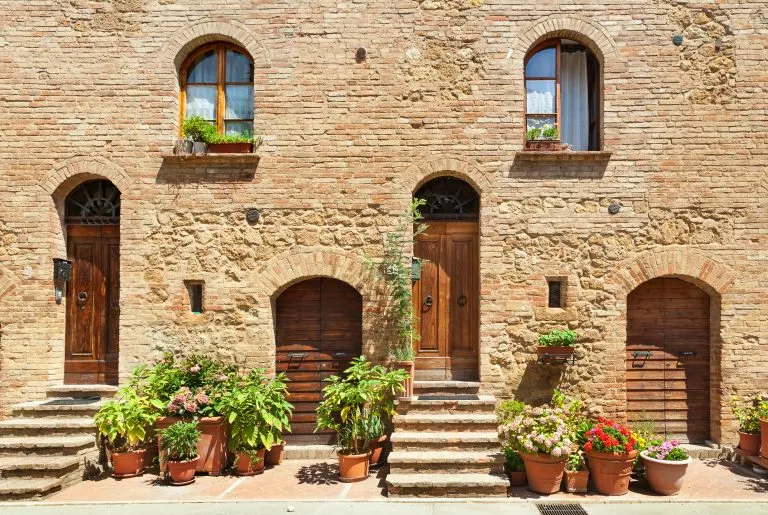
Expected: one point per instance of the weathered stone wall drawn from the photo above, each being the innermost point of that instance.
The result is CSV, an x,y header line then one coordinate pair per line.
x,y
90,89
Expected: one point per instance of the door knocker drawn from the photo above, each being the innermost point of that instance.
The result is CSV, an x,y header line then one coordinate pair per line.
x,y
428,301
82,297
462,301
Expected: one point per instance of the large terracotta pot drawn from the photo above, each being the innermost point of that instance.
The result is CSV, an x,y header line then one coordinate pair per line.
x,y
376,448
764,438
749,443
610,472
544,472
576,481
664,477
213,455
516,478
409,367
353,467
182,472
275,454
245,467
127,464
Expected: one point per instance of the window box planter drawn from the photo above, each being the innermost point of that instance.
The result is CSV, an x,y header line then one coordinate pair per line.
x,y
212,448
230,148
543,145
664,477
554,350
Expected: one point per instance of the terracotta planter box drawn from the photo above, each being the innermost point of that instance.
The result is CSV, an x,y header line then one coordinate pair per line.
x,y
409,367
611,472
544,472
576,481
213,456
516,478
665,477
764,438
543,145
230,148
555,350
749,444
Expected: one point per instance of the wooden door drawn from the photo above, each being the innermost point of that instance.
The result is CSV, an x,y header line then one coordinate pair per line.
x,y
668,358
319,330
93,310
447,302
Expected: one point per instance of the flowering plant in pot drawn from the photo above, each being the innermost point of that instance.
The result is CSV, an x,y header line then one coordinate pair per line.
x,y
541,436
611,450
665,467
747,412
125,422
349,403
576,474
762,413
514,466
557,342
178,443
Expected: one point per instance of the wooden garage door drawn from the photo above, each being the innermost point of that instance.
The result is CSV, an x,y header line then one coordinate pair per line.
x,y
319,330
668,352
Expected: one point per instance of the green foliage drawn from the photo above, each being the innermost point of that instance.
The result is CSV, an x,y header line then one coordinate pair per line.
x,y
508,410
351,402
677,454
747,411
126,419
394,269
644,429
548,132
575,462
243,137
197,128
557,337
512,460
179,441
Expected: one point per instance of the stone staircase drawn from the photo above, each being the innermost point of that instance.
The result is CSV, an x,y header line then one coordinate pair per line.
x,y
445,443
50,444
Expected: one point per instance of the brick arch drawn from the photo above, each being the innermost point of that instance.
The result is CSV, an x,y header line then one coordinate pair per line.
x,y
7,282
420,172
65,177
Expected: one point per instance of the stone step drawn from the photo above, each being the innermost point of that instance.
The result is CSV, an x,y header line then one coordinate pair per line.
x,y
16,488
40,463
704,452
445,387
484,404
59,407
447,485
446,422
447,462
48,445
79,391
47,426
445,440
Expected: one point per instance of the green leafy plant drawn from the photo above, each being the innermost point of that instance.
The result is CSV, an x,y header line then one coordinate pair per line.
x,y
179,441
508,410
558,338
352,400
669,450
394,269
762,405
550,132
575,462
242,137
512,460
747,412
125,420
197,128
547,132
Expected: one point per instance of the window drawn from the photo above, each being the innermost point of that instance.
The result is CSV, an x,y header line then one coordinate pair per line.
x,y
562,90
195,292
217,84
555,296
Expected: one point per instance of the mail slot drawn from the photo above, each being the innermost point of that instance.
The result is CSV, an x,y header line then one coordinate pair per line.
x,y
686,353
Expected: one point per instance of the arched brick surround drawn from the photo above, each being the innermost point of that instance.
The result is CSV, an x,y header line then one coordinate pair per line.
x,y
427,169
66,176
6,282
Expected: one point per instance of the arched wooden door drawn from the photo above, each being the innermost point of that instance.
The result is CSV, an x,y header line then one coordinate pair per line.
x,y
319,330
668,358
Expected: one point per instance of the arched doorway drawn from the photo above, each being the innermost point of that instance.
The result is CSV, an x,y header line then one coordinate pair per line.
x,y
668,358
92,216
447,295
319,330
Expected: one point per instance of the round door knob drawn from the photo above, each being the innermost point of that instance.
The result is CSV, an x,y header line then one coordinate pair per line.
x,y
428,301
82,297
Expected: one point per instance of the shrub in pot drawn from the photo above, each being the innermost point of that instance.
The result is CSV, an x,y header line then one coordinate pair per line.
x,y
611,451
349,403
377,439
200,131
557,342
178,444
576,474
746,411
541,436
762,413
125,422
665,467
514,467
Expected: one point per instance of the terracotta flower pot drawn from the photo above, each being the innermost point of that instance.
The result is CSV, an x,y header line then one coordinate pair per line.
x,y
409,367
245,467
576,481
213,455
749,443
230,148
182,472
664,477
557,350
764,438
544,472
127,464
376,448
275,454
516,478
353,467
610,472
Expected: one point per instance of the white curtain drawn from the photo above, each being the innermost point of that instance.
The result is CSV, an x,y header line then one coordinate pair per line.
x,y
575,100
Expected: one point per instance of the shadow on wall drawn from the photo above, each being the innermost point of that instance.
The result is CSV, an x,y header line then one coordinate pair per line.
x,y
535,170
539,383
207,169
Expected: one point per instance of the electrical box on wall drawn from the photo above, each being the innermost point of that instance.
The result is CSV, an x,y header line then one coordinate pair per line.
x,y
62,270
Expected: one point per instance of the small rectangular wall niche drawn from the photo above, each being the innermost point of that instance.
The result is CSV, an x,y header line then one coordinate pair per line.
x,y
556,293
195,294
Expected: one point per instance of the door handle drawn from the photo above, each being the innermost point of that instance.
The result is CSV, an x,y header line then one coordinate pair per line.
x,y
428,302
82,298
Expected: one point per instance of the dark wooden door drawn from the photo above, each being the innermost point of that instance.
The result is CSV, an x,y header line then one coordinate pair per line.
x,y
93,310
447,301
319,330
668,353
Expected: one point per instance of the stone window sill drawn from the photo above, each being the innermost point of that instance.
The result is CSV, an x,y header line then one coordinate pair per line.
x,y
223,160
564,155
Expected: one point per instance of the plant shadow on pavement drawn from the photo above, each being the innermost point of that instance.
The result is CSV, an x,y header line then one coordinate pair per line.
x,y
318,474
751,481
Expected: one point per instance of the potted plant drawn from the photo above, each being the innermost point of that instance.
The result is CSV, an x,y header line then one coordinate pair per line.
x,y
747,413
124,423
576,474
543,139
762,413
665,467
541,437
377,439
240,143
514,467
349,403
200,131
178,445
557,342
279,412
611,450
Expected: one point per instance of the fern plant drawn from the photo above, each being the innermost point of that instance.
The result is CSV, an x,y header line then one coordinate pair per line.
x,y
179,441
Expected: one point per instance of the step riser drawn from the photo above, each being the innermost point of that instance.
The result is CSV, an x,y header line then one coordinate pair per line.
x,y
59,431
441,446
74,394
38,473
44,451
443,468
494,491
438,390
28,497
427,426
445,408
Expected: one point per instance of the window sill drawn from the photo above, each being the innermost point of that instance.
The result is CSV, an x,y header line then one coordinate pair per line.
x,y
212,159
564,155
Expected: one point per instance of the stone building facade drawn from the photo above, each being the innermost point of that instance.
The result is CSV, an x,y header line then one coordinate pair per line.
x,y
91,90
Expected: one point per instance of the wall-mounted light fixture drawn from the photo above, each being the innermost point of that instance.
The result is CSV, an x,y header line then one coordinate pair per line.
x,y
62,274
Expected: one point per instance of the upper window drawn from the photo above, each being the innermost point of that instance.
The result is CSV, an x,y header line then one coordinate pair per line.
x,y
562,91
217,84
